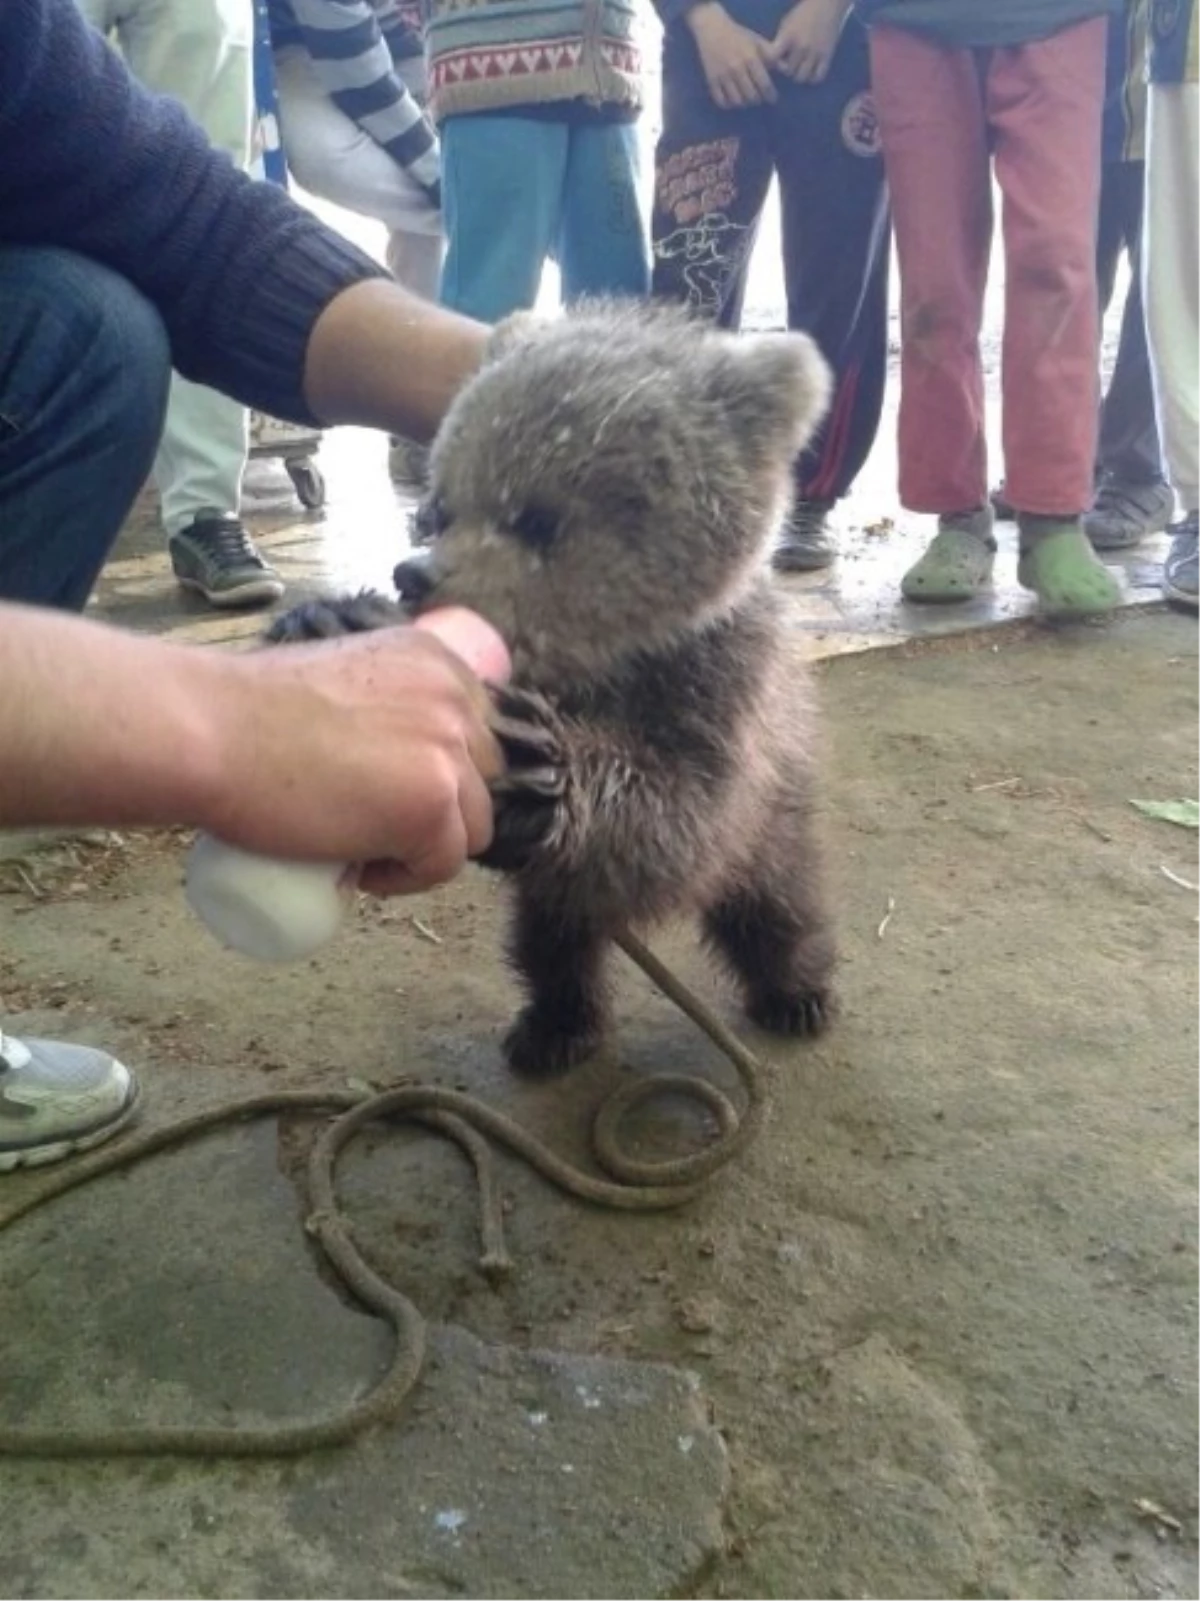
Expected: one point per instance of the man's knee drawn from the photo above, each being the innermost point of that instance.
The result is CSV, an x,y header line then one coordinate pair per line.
x,y
71,326
84,375
85,371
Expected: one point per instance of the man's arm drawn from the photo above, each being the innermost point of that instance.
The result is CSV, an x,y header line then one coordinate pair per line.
x,y
367,749
354,65
383,358
91,162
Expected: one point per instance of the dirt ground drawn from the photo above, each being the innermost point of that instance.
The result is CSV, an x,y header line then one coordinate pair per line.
x,y
945,1313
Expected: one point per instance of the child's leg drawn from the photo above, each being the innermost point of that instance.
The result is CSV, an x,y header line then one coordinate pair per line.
x,y
1172,264
1128,452
712,170
414,255
930,107
1133,498
1045,103
930,104
826,147
602,246
415,260
331,156
502,185
1172,313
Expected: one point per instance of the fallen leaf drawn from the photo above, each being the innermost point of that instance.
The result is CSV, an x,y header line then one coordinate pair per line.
x,y
1184,812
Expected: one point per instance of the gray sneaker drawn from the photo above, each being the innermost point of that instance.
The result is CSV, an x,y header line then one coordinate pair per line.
x,y
1179,569
1124,514
56,1098
215,557
805,543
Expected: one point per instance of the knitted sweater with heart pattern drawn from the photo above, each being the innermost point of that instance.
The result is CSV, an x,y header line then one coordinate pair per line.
x,y
500,55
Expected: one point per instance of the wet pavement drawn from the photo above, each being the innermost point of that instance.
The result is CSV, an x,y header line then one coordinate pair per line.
x,y
362,530
517,1471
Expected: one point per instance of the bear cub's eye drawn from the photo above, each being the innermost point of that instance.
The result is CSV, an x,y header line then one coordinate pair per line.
x,y
430,519
536,526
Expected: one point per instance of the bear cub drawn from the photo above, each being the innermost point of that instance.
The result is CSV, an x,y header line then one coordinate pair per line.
x,y
605,491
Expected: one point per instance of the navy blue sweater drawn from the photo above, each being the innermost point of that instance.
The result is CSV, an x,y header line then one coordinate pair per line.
x,y
91,162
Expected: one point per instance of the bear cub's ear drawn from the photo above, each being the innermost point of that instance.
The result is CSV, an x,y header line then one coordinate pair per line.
x,y
774,388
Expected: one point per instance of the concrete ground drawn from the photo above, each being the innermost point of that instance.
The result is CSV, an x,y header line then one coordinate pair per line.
x,y
936,1336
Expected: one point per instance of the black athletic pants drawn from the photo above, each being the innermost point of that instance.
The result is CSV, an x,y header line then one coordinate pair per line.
x,y
713,169
1128,448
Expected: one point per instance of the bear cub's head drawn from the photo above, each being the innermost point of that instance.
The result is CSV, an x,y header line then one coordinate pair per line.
x,y
611,480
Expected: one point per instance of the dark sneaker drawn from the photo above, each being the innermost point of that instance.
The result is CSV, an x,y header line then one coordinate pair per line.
x,y
1179,569
1125,514
1003,509
805,543
216,558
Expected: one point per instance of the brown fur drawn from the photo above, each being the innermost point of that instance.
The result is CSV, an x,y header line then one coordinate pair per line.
x,y
605,492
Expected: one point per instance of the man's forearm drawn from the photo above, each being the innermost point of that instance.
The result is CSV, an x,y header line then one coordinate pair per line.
x,y
380,357
103,727
373,749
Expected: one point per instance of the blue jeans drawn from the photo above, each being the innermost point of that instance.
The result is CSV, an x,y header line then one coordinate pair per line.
x,y
518,190
84,370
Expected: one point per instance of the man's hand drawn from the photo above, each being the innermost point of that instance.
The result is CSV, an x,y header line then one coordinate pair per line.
x,y
737,61
373,748
804,43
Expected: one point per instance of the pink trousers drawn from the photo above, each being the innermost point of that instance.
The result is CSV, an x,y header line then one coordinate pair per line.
x,y
945,116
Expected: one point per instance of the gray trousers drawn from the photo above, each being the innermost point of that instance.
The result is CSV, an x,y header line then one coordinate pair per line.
x,y
1128,449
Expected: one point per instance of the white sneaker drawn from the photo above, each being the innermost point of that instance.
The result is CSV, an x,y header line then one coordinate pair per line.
x,y
271,436
57,1098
